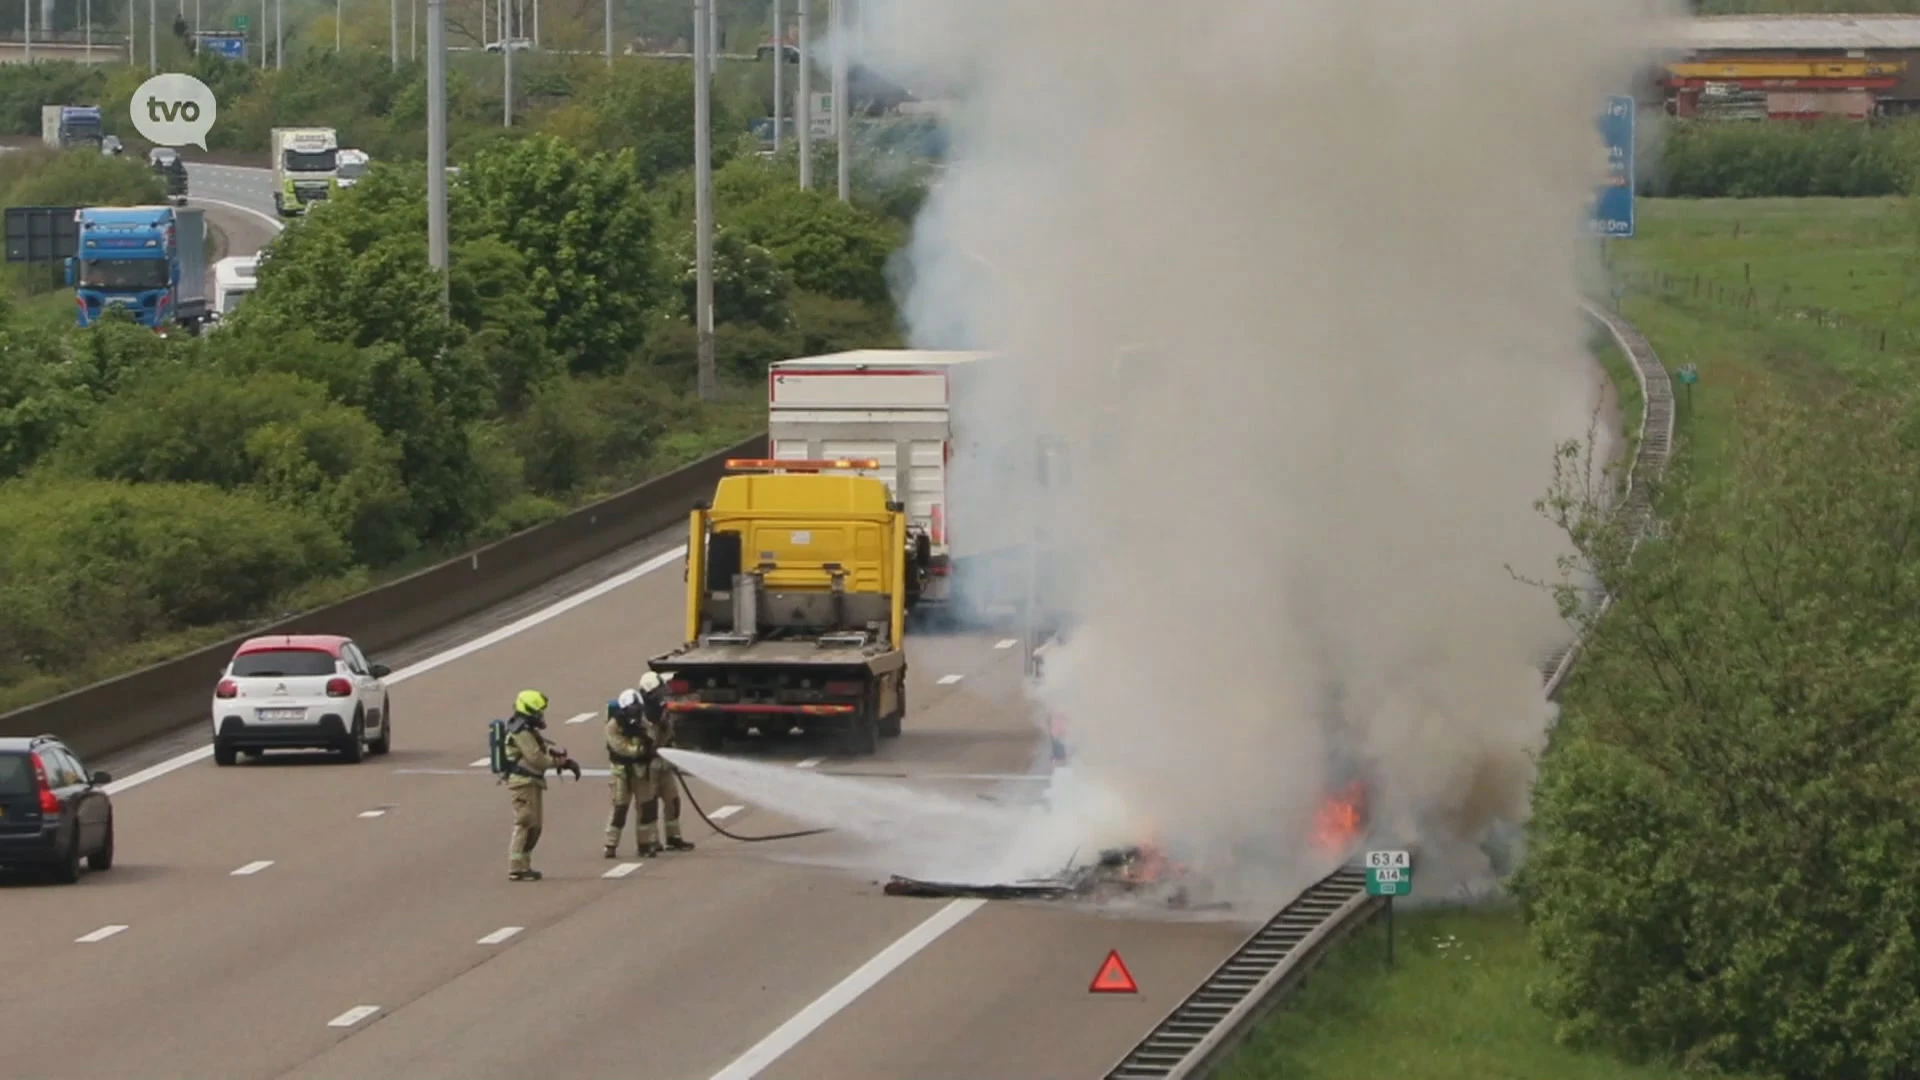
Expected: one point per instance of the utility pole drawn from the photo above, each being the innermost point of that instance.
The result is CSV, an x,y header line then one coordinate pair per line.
x,y
393,33
437,145
153,38
779,84
536,25
336,24
506,59
89,18
279,34
26,26
607,8
803,109
263,35
713,37
703,198
413,31
842,160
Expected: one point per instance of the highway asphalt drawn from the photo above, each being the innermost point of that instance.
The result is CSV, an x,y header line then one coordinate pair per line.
x,y
239,202
298,918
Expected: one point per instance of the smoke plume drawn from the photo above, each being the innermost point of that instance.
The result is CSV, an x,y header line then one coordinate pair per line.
x,y
1336,241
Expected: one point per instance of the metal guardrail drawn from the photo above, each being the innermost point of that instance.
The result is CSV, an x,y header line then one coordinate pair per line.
x,y
125,711
1219,1015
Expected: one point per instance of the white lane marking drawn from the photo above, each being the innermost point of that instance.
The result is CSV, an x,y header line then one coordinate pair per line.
x,y
372,813
1006,643
353,1016
725,812
101,934
481,764
252,868
949,680
268,218
788,1035
809,763
521,626
622,870
583,718
500,935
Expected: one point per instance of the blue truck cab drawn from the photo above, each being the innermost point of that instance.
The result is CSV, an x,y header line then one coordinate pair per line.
x,y
149,260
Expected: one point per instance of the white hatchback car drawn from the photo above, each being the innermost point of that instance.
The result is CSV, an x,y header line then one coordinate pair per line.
x,y
301,691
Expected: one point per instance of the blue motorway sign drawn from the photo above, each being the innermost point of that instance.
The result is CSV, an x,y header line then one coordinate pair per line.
x,y
1613,205
231,46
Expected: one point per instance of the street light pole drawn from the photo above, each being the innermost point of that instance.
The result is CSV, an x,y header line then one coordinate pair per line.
x,y
393,33
803,109
779,66
607,8
842,159
336,24
437,145
279,34
703,199
153,39
506,60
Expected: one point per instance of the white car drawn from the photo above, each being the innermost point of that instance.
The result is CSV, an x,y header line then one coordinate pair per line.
x,y
301,692
353,165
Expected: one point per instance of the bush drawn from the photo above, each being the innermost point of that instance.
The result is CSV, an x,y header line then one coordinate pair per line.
x,y
89,566
1726,159
1719,866
275,435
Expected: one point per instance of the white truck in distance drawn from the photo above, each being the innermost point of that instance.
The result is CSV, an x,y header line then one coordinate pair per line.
x,y
928,419
306,168
353,165
233,279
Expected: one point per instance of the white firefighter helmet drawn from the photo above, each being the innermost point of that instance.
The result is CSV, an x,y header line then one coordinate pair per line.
x,y
651,683
628,700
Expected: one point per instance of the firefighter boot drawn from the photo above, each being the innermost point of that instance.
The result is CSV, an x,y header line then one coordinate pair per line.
x,y
649,850
678,844
608,852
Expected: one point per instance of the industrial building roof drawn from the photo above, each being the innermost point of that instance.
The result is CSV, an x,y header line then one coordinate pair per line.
x,y
1800,32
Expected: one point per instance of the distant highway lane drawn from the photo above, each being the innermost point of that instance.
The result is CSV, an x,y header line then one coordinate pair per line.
x,y
239,202
303,919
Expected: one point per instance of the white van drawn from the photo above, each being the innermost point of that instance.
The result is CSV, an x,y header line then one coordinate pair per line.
x,y
233,279
353,164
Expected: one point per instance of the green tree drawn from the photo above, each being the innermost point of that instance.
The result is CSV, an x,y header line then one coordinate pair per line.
x,y
587,235
749,287
828,246
1719,866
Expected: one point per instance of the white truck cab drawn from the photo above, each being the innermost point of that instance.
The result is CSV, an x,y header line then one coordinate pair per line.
x,y
233,278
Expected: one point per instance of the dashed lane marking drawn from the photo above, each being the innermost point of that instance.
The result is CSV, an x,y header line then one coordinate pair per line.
x,y
353,1016
809,763
1006,643
725,812
949,680
583,718
252,868
101,934
372,813
622,870
481,764
500,935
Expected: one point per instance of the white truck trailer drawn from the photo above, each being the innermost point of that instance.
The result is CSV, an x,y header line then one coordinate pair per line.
x,y
950,446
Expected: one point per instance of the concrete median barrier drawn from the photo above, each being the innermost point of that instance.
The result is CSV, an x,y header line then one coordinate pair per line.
x,y
122,712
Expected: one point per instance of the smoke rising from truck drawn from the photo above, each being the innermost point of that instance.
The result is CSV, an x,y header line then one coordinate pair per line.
x,y
1337,241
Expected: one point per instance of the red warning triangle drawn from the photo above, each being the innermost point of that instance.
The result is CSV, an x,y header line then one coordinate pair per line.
x,y
1114,978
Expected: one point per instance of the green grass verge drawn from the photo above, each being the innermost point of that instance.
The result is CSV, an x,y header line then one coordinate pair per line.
x,y
1453,1007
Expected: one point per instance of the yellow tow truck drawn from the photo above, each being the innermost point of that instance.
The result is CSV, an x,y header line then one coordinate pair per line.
x,y
800,576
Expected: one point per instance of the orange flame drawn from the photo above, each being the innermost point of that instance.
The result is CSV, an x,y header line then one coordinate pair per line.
x,y
1338,824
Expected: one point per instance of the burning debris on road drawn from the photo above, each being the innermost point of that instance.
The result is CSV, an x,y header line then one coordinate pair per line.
x,y
1118,872
1143,870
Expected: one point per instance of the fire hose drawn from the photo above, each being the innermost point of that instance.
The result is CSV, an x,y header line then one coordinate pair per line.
x,y
716,827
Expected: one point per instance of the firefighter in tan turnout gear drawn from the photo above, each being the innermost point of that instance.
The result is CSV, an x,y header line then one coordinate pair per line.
x,y
629,747
663,778
528,758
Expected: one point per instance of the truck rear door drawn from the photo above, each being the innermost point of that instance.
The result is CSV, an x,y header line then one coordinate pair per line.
x,y
898,417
